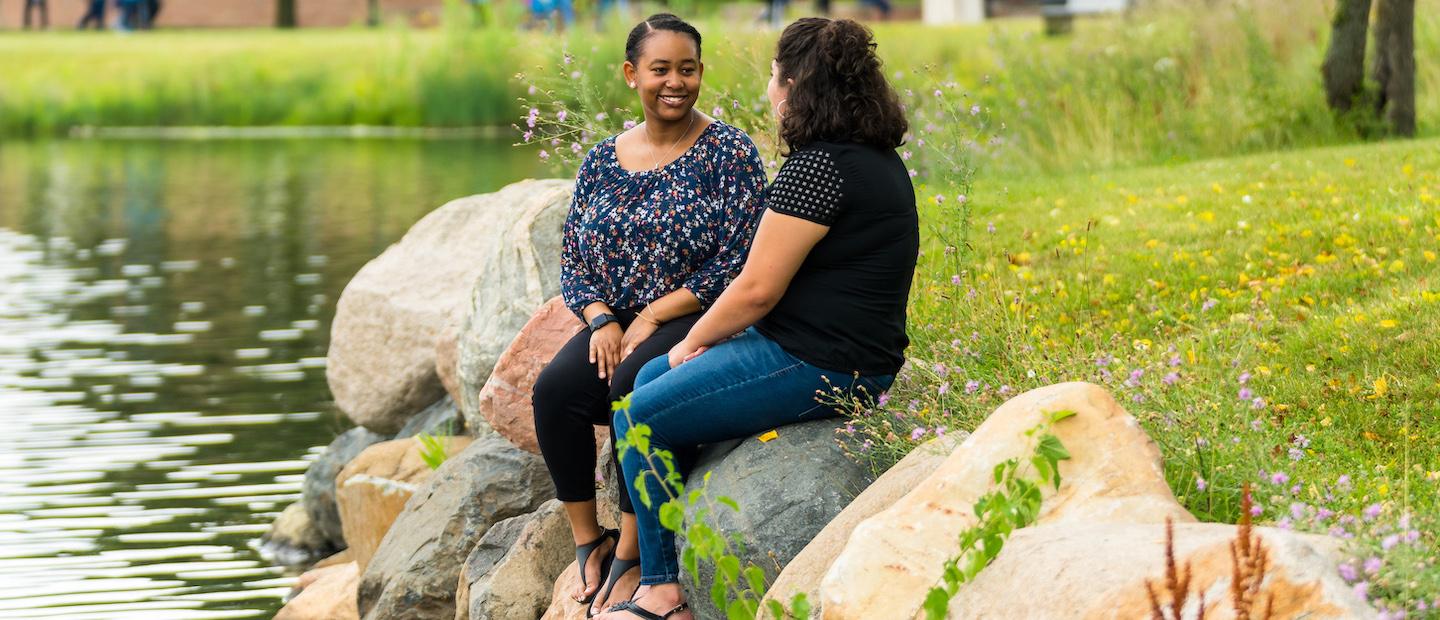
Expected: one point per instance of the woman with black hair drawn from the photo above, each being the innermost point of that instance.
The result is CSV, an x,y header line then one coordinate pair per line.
x,y
660,222
820,303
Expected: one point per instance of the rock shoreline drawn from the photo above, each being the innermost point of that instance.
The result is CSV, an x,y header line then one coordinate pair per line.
x,y
444,333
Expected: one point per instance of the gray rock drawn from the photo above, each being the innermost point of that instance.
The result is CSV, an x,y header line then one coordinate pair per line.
x,y
415,571
381,365
440,419
522,271
293,539
318,492
511,573
788,489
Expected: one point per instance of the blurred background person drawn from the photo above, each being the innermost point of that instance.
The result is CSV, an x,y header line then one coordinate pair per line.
x,y
95,13
30,7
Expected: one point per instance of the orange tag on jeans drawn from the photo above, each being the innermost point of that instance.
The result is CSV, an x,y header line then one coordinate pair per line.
x,y
768,435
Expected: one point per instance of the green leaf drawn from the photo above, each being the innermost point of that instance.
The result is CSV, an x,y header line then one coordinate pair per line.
x,y
756,579
717,594
738,610
777,611
644,491
800,607
728,567
734,505
672,516
937,604
691,562
1057,416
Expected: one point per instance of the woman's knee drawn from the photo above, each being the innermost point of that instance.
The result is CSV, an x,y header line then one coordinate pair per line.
x,y
652,370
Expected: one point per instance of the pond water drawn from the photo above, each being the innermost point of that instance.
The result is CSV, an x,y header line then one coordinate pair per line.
x,y
165,309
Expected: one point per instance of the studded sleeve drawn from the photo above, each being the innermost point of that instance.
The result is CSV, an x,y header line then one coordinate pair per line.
x,y
809,186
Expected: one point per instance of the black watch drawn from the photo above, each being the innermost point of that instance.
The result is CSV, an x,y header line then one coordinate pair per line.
x,y
602,320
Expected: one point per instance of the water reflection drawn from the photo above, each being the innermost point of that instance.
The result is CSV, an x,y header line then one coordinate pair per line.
x,y
164,314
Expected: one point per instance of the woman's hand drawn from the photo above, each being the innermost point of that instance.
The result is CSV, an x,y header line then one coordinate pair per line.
x,y
685,351
605,348
639,330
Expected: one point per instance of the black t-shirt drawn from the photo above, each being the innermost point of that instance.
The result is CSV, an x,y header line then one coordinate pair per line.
x,y
845,308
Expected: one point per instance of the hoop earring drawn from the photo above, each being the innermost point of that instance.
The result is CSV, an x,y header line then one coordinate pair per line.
x,y
780,114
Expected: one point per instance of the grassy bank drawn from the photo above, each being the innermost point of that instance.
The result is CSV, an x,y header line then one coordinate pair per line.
x,y
1173,84
1270,320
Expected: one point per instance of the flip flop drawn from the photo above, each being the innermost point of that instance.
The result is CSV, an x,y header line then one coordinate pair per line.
x,y
641,612
618,568
582,558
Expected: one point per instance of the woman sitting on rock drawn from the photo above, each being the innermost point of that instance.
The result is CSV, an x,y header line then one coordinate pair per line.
x,y
660,223
820,304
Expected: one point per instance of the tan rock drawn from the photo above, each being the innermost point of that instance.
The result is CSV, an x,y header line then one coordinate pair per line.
x,y
803,573
381,364
504,402
329,595
447,359
562,607
1099,570
1115,475
339,558
518,584
371,490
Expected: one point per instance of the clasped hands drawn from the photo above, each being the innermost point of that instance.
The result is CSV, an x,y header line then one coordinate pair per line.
x,y
611,344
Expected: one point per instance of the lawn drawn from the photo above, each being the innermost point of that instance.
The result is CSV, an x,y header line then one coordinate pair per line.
x,y
1270,319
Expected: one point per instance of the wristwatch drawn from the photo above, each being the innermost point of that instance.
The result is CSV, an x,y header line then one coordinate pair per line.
x,y
602,320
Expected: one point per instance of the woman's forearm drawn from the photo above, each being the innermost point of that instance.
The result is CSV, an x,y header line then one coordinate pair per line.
x,y
740,306
674,305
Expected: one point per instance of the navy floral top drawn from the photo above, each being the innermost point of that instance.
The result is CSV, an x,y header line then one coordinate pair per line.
x,y
634,237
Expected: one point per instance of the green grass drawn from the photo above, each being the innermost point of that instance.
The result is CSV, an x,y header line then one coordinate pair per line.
x,y
1177,83
1307,278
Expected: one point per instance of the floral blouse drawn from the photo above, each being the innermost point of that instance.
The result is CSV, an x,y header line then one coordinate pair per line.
x,y
634,237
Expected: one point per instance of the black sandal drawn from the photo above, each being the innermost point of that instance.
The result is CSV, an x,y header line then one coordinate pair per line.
x,y
582,558
618,568
641,612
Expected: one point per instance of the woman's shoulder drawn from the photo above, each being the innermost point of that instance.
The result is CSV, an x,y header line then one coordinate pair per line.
x,y
730,138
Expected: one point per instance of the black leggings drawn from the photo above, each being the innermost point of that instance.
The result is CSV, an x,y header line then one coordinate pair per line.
x,y
570,400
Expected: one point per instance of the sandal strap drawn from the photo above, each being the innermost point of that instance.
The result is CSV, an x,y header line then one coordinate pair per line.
x,y
618,568
638,611
583,553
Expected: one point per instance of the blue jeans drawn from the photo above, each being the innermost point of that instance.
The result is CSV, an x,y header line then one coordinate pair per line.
x,y
741,387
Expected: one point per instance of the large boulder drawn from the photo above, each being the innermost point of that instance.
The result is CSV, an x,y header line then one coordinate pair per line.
x,y
414,572
318,491
504,401
1115,475
802,575
327,594
381,362
1100,570
521,258
562,607
788,489
447,359
510,574
293,539
373,489
441,418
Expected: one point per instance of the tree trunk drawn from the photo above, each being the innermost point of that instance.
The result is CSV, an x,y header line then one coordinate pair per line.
x,y
1394,64
285,13
1344,67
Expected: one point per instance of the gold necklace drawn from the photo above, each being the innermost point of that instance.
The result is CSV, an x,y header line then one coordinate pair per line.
x,y
650,141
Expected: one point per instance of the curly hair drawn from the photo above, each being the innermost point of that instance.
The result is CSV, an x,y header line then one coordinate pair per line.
x,y
839,93
653,24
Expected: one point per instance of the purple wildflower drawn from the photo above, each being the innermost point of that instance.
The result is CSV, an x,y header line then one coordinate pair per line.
x,y
1171,378
1209,303
1279,478
1296,454
1201,484
1372,511
916,434
1347,572
1245,394
1373,565
972,386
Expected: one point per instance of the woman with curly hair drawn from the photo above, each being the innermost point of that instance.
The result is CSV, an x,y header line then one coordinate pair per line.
x,y
820,303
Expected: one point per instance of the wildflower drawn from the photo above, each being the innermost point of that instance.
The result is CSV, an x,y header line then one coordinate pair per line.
x,y
938,93
1243,378
1245,394
1372,511
972,386
940,369
1171,378
1005,389
1135,375
913,173
990,228
849,428
544,156
1296,454
960,198
601,117
1347,572
1174,360
944,388
1390,541
717,111
629,125
1201,484
532,90
866,446
1279,478
1209,303
939,199
1372,565
527,136
883,400
1257,510
1201,442
1256,425
906,155
575,148
1324,514
955,279
974,109
1343,482
1301,441
562,115
939,431
916,434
